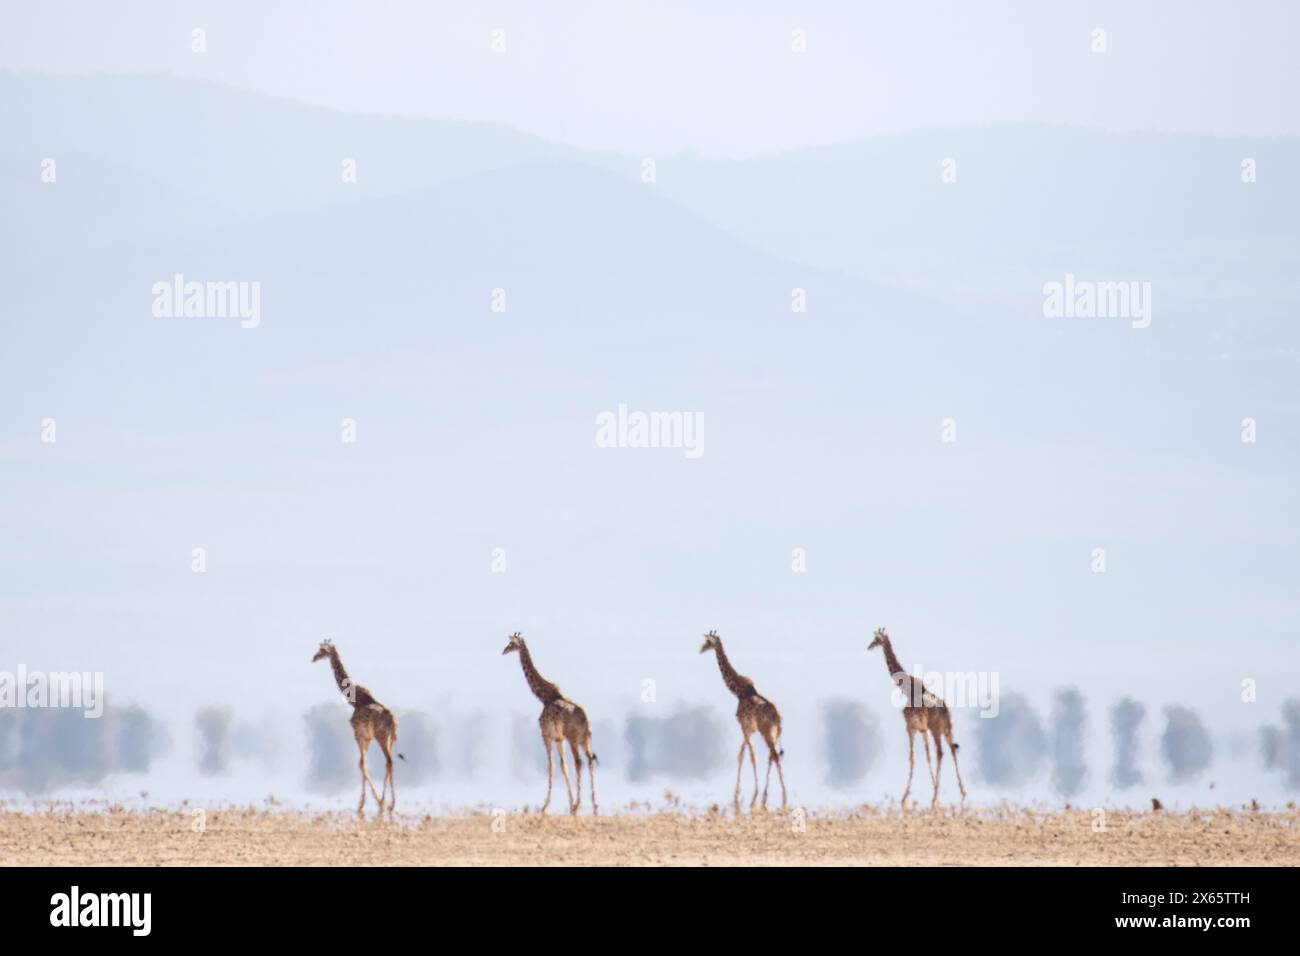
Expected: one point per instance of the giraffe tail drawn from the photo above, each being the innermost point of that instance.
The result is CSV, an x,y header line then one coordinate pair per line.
x,y
401,756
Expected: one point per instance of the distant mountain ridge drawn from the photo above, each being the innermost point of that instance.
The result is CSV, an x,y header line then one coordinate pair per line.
x,y
250,153
841,206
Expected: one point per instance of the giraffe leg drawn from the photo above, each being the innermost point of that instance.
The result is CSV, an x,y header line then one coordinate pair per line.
x,y
365,736
365,779
370,780
938,766
753,762
773,739
780,775
564,769
392,787
577,773
390,781
911,763
929,764
591,772
361,807
740,765
383,788
767,780
952,748
550,773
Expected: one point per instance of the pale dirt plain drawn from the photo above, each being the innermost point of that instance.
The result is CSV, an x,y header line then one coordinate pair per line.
x,y
73,835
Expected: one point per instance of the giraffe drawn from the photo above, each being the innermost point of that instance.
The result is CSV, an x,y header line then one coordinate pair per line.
x,y
925,712
754,712
561,720
371,720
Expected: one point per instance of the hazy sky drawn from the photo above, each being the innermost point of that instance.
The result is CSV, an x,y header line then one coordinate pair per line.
x,y
659,77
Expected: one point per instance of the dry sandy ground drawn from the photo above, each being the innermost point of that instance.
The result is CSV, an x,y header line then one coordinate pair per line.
x,y
986,837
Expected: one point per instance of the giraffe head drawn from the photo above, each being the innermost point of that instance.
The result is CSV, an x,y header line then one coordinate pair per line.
x,y
325,650
880,637
711,641
516,641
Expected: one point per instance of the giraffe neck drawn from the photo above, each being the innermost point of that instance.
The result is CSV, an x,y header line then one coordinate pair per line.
x,y
896,671
340,675
542,689
737,683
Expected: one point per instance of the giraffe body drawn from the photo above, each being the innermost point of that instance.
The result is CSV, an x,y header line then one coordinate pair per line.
x,y
561,721
756,715
371,721
926,714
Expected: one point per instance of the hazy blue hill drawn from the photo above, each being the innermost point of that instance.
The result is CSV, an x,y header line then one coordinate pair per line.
x,y
94,203
247,152
1030,201
1030,204
679,283
259,154
1013,183
605,281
